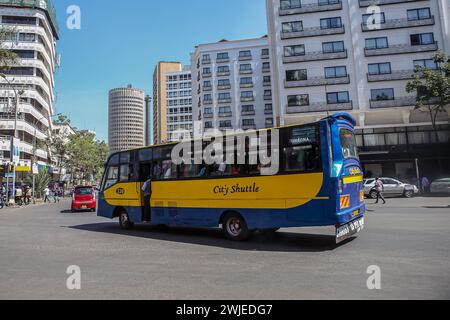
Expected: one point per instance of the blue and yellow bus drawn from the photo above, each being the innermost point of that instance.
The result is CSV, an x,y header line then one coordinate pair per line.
x,y
319,183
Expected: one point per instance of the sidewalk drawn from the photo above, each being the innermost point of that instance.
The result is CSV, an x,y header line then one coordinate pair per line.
x,y
39,202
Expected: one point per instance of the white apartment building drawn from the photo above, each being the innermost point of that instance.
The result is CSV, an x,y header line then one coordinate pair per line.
x,y
232,87
33,38
179,104
126,119
327,56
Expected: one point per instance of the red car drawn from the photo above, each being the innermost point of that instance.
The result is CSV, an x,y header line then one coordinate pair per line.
x,y
84,199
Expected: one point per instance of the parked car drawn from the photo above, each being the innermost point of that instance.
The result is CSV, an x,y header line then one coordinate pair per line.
x,y
441,186
83,198
392,187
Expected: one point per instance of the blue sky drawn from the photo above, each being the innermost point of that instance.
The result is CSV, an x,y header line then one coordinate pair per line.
x,y
121,41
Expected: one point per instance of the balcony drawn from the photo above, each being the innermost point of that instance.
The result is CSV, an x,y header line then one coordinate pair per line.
x,y
224,87
223,60
223,74
206,61
266,70
207,75
225,100
249,127
246,85
316,56
247,99
245,58
225,114
208,115
265,56
310,8
400,23
368,3
246,71
320,107
317,81
397,102
225,127
267,98
312,32
208,102
401,49
248,113
395,75
267,83
267,111
207,88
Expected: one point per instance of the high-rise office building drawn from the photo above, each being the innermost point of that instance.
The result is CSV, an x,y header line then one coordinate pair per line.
x,y
179,104
231,85
346,55
160,99
126,119
33,37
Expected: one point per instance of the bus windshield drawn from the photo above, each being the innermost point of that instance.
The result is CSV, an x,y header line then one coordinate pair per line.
x,y
348,143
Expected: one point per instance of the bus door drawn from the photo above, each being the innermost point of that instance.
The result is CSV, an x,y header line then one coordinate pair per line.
x,y
144,171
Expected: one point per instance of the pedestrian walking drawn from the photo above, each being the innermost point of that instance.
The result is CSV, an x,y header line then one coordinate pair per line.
x,y
56,193
426,185
47,194
379,187
147,190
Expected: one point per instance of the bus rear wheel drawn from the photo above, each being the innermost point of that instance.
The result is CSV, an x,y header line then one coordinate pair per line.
x,y
235,227
124,221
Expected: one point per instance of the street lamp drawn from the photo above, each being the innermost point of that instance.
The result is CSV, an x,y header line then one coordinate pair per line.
x,y
16,109
35,149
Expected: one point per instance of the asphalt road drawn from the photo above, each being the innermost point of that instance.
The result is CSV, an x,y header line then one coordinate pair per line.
x,y
408,239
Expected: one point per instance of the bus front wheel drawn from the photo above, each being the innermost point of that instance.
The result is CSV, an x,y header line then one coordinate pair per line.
x,y
124,221
235,227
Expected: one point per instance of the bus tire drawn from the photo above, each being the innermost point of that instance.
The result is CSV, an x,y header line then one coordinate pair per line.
x,y
124,220
234,227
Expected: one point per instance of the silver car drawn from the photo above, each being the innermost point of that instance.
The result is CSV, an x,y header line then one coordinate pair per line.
x,y
441,186
392,187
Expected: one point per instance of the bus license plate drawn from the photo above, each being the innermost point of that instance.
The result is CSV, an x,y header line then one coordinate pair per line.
x,y
349,230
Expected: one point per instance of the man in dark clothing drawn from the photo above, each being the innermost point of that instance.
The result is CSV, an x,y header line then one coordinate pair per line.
x,y
147,190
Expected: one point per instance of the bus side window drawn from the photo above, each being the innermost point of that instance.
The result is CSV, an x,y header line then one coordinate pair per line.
x,y
126,173
112,177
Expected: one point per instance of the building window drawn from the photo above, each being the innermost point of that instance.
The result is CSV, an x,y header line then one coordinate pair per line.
x,y
426,63
338,97
208,125
374,18
267,93
419,14
265,52
19,20
293,51
245,67
422,39
223,110
247,94
382,94
207,84
267,79
206,71
208,111
335,72
245,54
224,96
268,108
290,4
266,65
248,108
298,100
222,56
331,23
296,75
225,124
333,47
380,68
248,122
245,81
377,43
295,26
224,82
223,69
207,97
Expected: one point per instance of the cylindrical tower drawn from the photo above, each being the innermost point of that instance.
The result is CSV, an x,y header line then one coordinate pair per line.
x,y
126,119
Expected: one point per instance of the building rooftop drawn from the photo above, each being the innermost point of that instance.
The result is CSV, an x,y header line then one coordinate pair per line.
x,y
45,5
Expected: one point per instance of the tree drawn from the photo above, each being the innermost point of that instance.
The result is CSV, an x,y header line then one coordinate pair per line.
x,y
433,91
7,57
86,156
42,180
432,88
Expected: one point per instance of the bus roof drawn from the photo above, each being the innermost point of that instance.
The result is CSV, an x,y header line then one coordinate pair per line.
x,y
337,116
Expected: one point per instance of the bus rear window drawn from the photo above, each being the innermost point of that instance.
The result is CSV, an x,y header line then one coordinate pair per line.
x,y
349,145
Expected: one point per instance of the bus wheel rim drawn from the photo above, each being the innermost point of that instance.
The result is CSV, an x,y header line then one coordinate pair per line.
x,y
234,227
123,218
